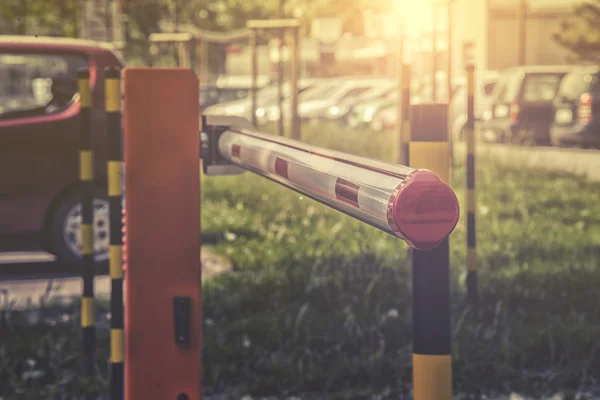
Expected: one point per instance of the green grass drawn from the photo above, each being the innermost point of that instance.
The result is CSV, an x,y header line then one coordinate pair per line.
x,y
320,303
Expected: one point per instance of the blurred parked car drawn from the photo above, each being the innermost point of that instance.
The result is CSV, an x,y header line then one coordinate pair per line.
x,y
228,88
522,105
577,110
385,119
343,110
265,97
365,111
211,95
347,90
485,82
319,89
40,190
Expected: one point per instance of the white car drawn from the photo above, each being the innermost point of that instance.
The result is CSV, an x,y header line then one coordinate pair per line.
x,y
345,91
264,98
385,119
485,82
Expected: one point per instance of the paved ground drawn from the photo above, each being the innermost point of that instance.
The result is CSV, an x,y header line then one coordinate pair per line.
x,y
28,290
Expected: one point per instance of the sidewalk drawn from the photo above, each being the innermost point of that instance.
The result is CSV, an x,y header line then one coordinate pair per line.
x,y
25,292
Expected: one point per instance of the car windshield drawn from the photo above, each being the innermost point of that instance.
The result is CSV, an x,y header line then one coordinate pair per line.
x,y
317,92
25,79
507,87
232,94
577,83
540,87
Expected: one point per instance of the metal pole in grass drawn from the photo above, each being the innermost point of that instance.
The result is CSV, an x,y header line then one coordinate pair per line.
x,y
432,359
471,283
398,155
254,73
405,121
115,198
296,132
86,177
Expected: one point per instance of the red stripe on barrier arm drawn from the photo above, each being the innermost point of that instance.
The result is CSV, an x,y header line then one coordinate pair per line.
x,y
424,210
235,150
281,167
163,291
346,191
324,155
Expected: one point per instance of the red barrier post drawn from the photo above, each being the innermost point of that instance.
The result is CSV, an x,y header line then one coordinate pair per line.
x,y
162,194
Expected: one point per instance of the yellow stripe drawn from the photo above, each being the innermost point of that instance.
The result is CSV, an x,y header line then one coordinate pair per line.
x,y
116,346
470,134
471,200
112,98
87,312
405,76
114,178
87,239
432,377
86,165
434,156
116,261
471,260
85,92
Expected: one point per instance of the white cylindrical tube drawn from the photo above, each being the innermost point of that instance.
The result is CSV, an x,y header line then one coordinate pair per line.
x,y
411,204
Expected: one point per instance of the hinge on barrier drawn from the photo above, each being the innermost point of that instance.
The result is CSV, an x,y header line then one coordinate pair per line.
x,y
182,314
213,126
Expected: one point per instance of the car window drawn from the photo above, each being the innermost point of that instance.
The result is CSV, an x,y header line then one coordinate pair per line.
x,y
209,95
488,88
226,95
540,87
508,87
575,84
25,79
318,92
353,93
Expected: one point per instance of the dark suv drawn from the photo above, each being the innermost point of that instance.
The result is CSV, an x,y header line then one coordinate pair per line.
x,y
577,110
522,104
39,141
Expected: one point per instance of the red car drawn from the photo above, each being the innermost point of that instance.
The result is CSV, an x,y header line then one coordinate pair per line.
x,y
39,141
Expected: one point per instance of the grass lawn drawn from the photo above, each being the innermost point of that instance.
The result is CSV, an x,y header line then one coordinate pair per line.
x,y
320,303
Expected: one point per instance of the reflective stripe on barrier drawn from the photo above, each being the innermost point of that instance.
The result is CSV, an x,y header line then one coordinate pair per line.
x,y
472,289
113,169
86,177
411,204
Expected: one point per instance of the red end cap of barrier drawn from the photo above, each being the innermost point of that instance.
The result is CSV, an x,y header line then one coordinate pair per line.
x,y
425,210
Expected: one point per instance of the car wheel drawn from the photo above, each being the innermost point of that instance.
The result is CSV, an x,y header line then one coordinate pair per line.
x,y
65,229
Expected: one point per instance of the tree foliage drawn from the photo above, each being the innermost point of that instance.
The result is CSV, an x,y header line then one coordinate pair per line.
x,y
143,17
580,33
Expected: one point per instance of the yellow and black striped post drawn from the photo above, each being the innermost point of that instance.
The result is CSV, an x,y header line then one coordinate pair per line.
x,y
472,289
405,115
432,360
86,176
112,90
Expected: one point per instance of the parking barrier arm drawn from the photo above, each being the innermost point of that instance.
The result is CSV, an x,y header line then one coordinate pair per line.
x,y
412,204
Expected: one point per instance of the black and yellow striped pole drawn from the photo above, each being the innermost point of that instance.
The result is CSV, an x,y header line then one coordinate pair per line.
x,y
471,283
86,176
432,360
405,115
112,90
